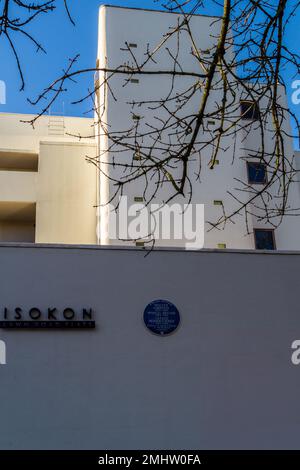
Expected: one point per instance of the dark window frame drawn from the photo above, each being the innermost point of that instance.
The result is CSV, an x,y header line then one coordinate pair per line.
x,y
247,115
249,163
271,230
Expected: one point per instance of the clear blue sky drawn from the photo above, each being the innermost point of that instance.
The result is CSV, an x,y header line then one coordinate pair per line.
x,y
62,40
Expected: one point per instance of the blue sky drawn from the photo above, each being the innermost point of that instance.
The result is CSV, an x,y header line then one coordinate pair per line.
x,y
62,41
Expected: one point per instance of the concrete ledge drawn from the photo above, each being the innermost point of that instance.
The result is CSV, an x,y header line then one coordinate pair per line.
x,y
156,11
82,142
142,249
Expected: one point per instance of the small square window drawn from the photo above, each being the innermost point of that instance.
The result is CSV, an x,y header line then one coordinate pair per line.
x,y
249,110
222,246
257,173
264,239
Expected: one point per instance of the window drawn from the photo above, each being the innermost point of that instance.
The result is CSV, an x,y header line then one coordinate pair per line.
x,y
249,110
257,173
264,239
222,246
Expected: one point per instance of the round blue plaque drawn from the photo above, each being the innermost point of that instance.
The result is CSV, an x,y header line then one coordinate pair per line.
x,y
161,317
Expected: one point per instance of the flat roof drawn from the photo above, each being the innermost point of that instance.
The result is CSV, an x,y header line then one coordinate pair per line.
x,y
46,115
157,11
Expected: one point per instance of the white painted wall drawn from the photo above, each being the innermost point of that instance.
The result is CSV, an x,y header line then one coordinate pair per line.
x,y
63,185
18,135
224,380
66,194
120,25
18,186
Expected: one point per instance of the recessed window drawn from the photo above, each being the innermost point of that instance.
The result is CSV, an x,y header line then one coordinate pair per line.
x,y
134,80
132,45
249,110
264,239
257,173
138,199
218,203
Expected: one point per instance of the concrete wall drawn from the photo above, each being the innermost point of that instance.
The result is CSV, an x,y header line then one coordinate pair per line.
x,y
118,26
18,186
47,166
16,133
223,380
67,194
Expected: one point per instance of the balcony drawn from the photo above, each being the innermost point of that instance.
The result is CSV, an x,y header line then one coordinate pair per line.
x,y
18,186
16,160
17,222
18,194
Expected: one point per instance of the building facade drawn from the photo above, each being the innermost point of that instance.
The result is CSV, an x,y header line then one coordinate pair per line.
x,y
126,33
224,380
48,192
226,377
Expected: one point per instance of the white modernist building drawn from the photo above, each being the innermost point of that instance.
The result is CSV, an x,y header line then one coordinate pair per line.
x,y
125,36
48,193
226,378
49,190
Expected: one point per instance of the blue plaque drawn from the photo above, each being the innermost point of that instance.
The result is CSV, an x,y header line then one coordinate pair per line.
x,y
161,317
